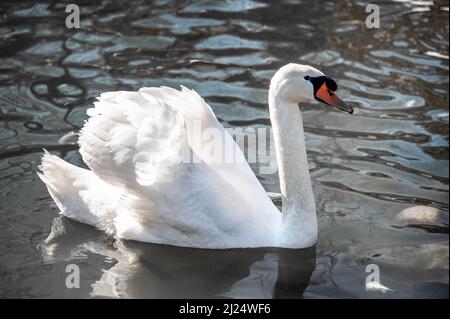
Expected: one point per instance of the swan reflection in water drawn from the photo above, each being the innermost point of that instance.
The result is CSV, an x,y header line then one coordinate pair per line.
x,y
143,270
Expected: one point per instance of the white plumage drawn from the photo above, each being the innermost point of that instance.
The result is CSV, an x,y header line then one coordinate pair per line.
x,y
140,188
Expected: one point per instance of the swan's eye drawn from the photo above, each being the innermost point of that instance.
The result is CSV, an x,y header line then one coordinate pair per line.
x,y
330,92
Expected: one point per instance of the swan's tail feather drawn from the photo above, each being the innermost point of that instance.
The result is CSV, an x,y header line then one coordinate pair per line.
x,y
57,176
67,183
54,175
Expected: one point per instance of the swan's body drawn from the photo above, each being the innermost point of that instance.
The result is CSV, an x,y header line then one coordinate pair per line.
x,y
139,189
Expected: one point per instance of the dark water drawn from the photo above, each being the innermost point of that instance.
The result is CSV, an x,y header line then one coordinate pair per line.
x,y
390,155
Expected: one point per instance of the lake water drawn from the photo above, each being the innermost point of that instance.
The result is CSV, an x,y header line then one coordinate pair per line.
x,y
390,155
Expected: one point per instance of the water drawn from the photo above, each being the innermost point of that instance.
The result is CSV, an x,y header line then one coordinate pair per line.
x,y
390,155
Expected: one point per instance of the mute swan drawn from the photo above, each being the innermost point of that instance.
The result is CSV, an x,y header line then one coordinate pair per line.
x,y
138,189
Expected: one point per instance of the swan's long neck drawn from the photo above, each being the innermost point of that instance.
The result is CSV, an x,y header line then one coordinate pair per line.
x,y
299,226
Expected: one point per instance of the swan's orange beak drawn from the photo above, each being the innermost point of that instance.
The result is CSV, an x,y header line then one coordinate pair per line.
x,y
328,96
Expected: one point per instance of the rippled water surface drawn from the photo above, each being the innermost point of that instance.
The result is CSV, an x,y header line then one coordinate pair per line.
x,y
390,155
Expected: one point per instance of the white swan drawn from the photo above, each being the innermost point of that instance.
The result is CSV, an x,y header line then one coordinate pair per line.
x,y
138,188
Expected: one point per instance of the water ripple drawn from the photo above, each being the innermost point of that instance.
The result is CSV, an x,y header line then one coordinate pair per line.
x,y
391,154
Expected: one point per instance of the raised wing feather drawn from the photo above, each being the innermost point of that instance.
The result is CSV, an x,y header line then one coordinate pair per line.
x,y
198,116
130,141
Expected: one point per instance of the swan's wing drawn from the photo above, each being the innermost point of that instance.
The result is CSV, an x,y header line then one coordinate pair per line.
x,y
137,141
200,121
131,140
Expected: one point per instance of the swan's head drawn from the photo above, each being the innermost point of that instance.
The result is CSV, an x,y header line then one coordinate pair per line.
x,y
296,83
